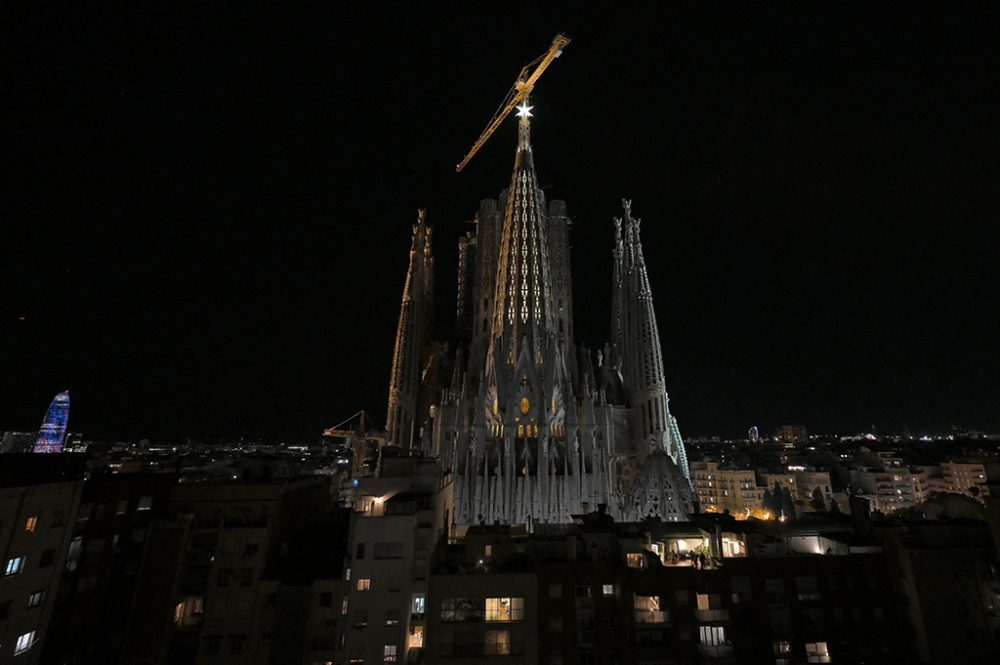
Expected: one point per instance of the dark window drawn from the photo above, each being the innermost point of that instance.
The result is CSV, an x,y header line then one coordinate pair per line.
x,y
246,576
250,551
359,552
326,599
212,644
47,559
271,599
388,550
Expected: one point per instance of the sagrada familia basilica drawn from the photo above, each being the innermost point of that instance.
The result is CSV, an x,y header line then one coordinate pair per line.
x,y
528,426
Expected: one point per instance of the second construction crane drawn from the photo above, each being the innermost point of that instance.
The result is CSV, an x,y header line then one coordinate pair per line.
x,y
519,92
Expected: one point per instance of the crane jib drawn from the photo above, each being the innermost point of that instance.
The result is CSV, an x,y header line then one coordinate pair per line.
x,y
523,85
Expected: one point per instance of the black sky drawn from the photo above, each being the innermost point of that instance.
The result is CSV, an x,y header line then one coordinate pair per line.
x,y
206,212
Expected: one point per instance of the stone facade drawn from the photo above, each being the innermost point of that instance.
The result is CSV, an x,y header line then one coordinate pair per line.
x,y
527,425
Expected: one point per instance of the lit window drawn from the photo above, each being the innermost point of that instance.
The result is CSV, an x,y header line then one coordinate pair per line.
x,y
816,652
608,589
31,524
417,637
14,566
488,550
392,617
389,653
343,607
635,560
190,611
713,636
418,603
710,607
24,642
782,648
364,584
145,503
504,609
497,643
647,610
35,599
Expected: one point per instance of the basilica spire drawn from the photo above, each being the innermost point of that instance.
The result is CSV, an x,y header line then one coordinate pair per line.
x,y
637,342
412,338
523,314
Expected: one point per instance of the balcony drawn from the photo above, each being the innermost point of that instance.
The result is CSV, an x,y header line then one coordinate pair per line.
x,y
719,651
712,615
652,616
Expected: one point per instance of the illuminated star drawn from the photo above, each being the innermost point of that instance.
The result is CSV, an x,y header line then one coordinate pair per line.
x,y
524,111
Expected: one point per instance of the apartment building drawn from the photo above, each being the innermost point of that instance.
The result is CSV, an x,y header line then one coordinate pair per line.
x,y
721,489
38,503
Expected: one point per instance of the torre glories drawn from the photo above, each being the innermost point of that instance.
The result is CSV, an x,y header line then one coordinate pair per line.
x,y
527,425
52,433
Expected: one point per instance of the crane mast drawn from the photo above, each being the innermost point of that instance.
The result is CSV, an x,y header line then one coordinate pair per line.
x,y
519,91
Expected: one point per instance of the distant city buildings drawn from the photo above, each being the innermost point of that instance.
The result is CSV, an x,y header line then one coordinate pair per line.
x,y
256,555
791,434
965,478
721,490
17,442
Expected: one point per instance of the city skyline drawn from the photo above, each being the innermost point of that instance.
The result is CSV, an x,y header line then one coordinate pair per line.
x,y
209,242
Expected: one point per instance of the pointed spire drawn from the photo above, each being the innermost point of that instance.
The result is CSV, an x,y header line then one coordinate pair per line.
x,y
640,336
524,129
412,336
637,339
523,309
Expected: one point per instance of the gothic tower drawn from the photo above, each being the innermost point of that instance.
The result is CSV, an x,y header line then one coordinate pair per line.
x,y
637,351
412,339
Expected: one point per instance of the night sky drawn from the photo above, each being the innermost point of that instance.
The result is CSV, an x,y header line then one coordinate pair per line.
x,y
206,213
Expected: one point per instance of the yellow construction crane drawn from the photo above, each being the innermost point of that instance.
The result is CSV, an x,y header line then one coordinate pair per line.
x,y
519,91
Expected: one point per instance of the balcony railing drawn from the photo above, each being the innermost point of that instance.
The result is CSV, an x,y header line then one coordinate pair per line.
x,y
651,616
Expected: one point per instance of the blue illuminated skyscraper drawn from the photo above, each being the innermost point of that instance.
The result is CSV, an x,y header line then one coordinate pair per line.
x,y
53,432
